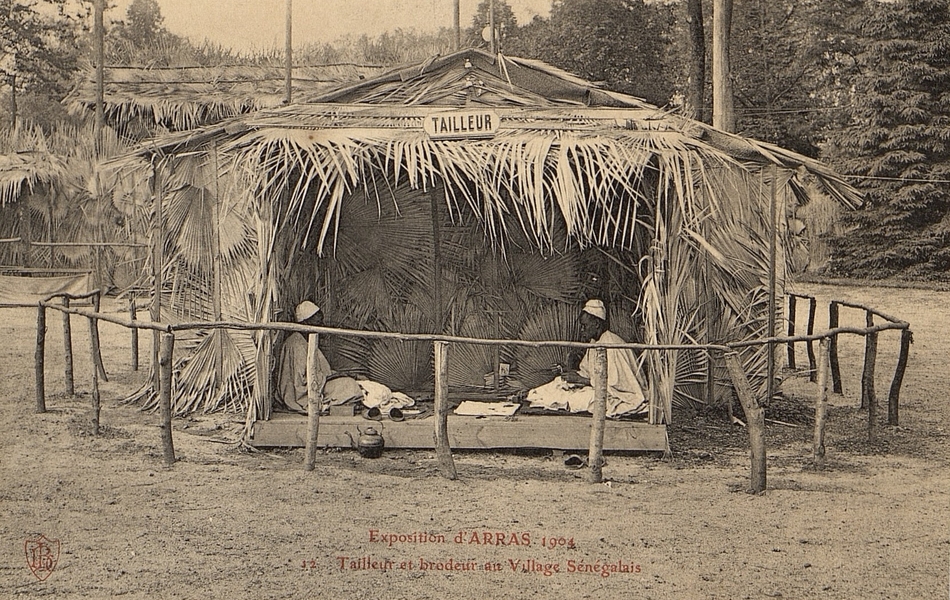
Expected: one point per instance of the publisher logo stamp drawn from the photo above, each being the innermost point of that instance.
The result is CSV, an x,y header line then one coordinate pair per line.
x,y
42,554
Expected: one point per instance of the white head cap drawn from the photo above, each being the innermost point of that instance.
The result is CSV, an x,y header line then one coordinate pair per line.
x,y
305,310
596,308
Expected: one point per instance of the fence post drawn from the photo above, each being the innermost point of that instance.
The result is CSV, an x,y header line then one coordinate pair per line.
x,y
812,368
893,398
135,333
165,352
314,399
442,449
68,350
598,380
755,417
867,384
39,358
95,379
870,356
94,335
833,348
821,405
792,305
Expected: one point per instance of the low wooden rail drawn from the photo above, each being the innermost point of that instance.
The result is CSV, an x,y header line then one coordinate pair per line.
x,y
754,408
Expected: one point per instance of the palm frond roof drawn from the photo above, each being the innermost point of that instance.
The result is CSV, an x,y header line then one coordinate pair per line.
x,y
552,126
185,97
26,160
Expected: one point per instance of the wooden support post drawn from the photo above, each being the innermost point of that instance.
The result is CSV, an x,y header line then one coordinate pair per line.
x,y
39,358
95,379
792,305
68,351
867,384
135,333
94,336
821,405
867,379
812,366
315,384
833,349
157,242
598,379
442,449
893,397
166,350
755,418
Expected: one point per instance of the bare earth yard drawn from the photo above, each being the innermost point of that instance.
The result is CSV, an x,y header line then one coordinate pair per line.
x,y
227,523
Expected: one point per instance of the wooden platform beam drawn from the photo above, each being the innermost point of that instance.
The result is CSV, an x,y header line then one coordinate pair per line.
x,y
556,432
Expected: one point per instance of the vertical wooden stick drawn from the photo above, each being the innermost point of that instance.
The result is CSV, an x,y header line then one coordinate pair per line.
x,y
135,333
893,397
867,379
95,379
166,350
821,405
314,399
442,449
39,358
870,360
157,241
755,418
94,336
833,349
598,379
792,305
68,351
812,367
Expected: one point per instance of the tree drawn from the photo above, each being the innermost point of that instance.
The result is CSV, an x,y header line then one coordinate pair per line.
x,y
505,22
622,43
37,50
143,39
898,141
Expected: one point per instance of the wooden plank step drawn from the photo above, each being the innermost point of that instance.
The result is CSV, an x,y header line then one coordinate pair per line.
x,y
557,432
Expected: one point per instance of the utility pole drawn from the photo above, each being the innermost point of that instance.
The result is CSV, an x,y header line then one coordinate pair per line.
x,y
724,116
491,27
457,23
289,53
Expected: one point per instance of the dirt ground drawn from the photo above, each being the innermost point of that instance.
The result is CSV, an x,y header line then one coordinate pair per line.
x,y
228,523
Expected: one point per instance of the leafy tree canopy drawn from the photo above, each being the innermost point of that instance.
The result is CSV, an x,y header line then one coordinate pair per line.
x,y
898,140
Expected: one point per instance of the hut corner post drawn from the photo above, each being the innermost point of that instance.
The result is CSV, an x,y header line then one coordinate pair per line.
x,y
595,456
39,358
314,400
166,350
755,417
442,449
821,405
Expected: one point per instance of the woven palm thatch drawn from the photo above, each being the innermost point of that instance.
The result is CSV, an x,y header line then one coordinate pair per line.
x,y
181,98
679,207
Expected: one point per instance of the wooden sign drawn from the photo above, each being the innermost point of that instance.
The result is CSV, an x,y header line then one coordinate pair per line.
x,y
463,124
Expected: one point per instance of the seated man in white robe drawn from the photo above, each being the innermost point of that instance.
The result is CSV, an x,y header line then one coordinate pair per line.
x,y
292,377
573,392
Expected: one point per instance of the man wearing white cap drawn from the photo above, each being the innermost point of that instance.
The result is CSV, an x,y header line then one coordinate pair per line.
x,y
292,377
573,392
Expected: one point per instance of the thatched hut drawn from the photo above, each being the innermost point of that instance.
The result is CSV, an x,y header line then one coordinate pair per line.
x,y
474,195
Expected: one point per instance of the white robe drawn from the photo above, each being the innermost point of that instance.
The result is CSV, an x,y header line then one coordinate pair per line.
x,y
624,395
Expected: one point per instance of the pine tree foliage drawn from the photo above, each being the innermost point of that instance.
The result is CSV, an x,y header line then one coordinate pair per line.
x,y
899,142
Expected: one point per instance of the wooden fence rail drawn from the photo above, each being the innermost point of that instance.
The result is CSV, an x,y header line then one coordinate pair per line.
x,y
753,408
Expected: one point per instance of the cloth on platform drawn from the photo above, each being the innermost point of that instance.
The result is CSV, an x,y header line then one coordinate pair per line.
x,y
624,395
377,395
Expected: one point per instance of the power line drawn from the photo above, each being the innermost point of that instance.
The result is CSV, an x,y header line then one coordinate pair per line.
x,y
901,179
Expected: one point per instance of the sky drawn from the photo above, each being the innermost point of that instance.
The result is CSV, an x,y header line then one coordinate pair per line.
x,y
247,25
